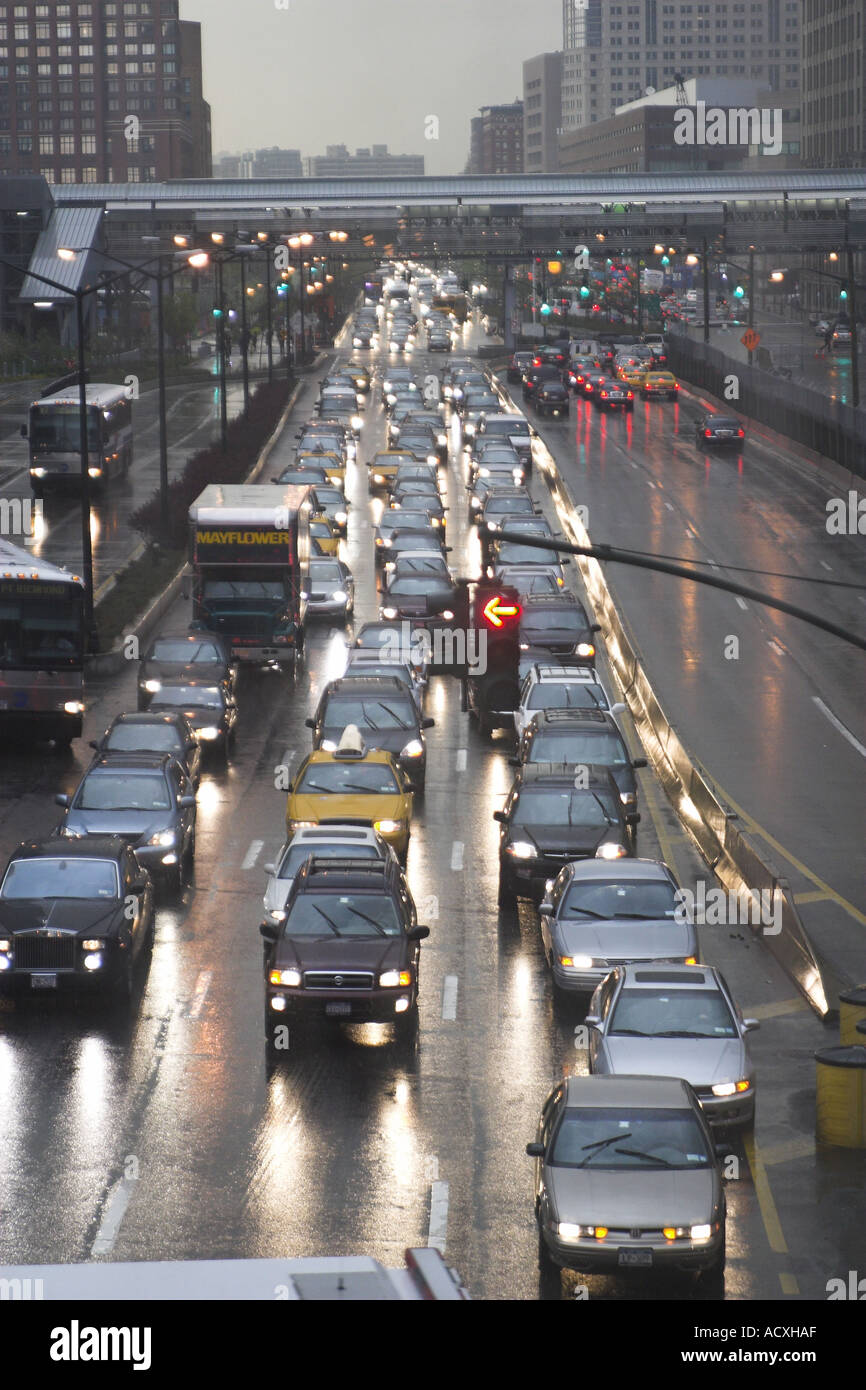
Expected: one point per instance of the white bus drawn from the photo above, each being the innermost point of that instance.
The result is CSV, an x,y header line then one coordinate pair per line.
x,y
42,647
54,435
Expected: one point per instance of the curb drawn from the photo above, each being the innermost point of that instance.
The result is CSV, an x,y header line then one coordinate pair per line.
x,y
110,663
729,853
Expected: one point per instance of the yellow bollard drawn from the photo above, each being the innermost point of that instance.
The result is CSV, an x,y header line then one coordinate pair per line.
x,y
840,1093
852,1010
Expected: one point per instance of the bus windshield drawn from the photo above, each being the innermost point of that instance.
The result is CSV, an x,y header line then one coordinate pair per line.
x,y
56,430
40,630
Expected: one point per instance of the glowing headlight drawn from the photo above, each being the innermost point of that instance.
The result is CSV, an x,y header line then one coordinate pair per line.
x,y
566,1230
93,961
393,979
37,472
442,438
390,399
414,749
328,745
357,422
152,686
730,1088
522,849
162,837
277,914
701,1232
95,472
93,944
389,613
484,472
73,707
5,944
577,962
389,827
611,852
432,458
357,342
341,517
209,733
584,649
292,978
339,596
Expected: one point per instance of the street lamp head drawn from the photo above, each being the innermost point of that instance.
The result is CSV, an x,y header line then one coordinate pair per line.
x,y
66,253
294,242
691,259
198,260
262,236
180,240
307,238
777,276
833,256
217,238
658,248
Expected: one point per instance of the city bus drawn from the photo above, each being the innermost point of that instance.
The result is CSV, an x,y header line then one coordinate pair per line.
x,y
42,646
54,436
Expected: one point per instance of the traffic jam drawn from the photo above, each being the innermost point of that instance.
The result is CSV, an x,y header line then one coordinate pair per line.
x,y
416,458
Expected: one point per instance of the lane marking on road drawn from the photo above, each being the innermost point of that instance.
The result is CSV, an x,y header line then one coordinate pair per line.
x,y
457,855
633,464
769,1214
199,994
779,1009
776,648
460,765
839,726
669,506
825,566
789,1284
438,1226
252,854
114,1214
813,896
649,482
741,603
449,998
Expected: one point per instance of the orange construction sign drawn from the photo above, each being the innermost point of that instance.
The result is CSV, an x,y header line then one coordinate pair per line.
x,y
750,339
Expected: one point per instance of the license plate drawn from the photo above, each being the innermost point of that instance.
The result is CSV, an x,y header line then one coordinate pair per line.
x,y
724,434
338,1009
635,1257
43,981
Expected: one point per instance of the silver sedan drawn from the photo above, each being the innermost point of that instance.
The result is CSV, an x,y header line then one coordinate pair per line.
x,y
330,589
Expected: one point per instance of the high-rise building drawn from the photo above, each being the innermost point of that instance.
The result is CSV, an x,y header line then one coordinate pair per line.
x,y
615,52
373,162
834,83
542,113
496,140
275,163
98,91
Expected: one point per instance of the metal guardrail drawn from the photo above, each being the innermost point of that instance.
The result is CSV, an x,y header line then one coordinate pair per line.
x,y
792,408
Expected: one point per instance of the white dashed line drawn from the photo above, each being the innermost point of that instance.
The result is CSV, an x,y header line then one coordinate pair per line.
x,y
449,998
669,506
837,724
252,854
114,1214
741,603
457,855
825,566
438,1216
776,648
633,464
460,765
199,994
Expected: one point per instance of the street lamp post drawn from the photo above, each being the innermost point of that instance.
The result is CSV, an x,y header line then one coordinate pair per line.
x,y
751,319
221,334
86,539
705,268
270,319
245,341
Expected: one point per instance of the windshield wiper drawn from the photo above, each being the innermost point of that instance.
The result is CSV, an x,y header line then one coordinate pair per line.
x,y
373,923
599,1145
334,928
588,912
653,1158
632,1033
686,1033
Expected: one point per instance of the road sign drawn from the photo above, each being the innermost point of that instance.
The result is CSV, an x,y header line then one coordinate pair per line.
x,y
750,339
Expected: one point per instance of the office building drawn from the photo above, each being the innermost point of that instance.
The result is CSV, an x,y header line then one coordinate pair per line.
x,y
542,113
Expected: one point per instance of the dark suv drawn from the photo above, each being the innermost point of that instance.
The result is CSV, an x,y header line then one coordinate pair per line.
x,y
349,947
386,715
175,658
555,814
578,736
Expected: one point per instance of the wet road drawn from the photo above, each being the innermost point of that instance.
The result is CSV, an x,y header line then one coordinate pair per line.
x,y
166,1138
193,421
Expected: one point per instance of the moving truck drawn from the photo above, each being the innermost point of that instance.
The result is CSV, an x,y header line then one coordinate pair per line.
x,y
249,551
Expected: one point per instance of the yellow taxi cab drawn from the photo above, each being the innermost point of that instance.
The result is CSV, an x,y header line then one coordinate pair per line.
x,y
352,783
659,383
382,468
332,463
632,375
325,533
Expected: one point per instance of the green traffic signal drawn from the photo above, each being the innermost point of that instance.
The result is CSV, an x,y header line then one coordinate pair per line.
x,y
545,308
738,292
584,292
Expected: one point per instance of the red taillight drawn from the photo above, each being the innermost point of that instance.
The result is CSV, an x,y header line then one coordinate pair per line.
x,y
741,434
631,395
604,393
588,386
536,361
676,386
708,434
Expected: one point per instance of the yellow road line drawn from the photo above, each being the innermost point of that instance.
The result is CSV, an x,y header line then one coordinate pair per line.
x,y
769,1214
813,896
789,1284
825,888
779,1009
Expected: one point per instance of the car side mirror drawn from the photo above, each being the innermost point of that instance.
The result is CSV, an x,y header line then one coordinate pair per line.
x,y
428,723
633,818
501,817
418,933
535,1150
190,747
94,744
61,799
309,723
186,801
618,708
138,883
565,560
595,627
269,932
750,1024
592,1021
514,762
638,762
546,908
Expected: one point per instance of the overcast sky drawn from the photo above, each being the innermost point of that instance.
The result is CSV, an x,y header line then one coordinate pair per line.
x,y
365,72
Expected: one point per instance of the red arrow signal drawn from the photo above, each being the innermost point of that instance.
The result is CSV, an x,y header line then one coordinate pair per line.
x,y
495,611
